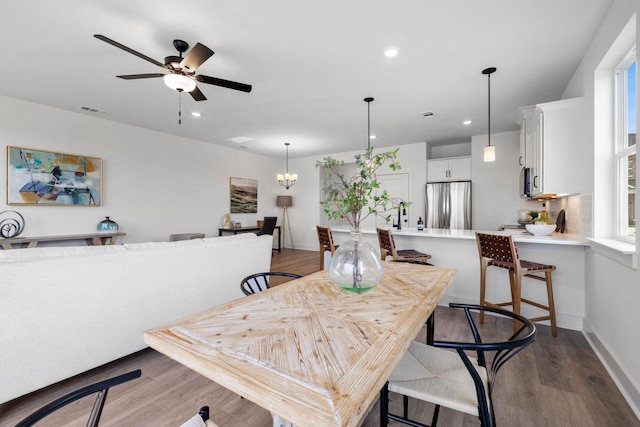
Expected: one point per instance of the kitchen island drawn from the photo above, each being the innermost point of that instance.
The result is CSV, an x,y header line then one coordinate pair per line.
x,y
458,249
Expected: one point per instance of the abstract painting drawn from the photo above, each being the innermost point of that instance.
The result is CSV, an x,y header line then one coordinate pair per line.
x,y
244,195
36,177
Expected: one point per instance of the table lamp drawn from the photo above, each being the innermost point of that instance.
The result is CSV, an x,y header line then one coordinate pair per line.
x,y
285,202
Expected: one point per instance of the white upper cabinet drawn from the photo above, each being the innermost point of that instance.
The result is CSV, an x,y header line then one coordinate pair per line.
x,y
452,169
553,142
526,116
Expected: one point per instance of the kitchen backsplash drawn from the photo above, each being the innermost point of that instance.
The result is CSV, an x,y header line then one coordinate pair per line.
x,y
578,211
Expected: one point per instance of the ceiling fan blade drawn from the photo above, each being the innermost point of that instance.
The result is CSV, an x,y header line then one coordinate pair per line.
x,y
140,76
197,95
196,57
127,49
223,83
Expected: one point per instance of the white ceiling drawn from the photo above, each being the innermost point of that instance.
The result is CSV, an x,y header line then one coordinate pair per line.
x,y
310,64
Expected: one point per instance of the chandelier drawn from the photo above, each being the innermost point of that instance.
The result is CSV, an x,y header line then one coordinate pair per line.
x,y
287,180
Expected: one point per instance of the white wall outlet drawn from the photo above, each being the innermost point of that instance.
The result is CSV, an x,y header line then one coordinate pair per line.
x,y
491,212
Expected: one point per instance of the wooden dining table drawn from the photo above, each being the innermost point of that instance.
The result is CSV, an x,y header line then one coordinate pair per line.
x,y
306,350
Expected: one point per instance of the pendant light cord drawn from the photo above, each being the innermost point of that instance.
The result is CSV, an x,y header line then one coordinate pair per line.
x,y
488,72
368,101
489,107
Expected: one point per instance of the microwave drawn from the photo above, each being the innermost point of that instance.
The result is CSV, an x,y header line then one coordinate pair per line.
x,y
525,183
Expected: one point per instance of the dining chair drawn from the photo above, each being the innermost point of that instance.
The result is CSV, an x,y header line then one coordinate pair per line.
x,y
500,251
325,238
443,374
101,388
388,248
261,281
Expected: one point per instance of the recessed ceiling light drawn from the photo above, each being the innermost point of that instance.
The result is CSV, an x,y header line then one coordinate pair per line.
x,y
390,53
467,122
196,114
372,137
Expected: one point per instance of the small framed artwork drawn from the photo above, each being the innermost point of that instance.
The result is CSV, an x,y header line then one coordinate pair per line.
x,y
36,177
243,194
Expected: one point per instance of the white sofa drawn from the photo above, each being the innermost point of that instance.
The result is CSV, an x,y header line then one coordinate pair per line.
x,y
65,310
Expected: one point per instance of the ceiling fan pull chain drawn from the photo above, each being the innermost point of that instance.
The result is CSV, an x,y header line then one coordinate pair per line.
x,y
179,107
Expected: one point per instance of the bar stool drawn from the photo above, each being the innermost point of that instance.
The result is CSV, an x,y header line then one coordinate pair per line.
x,y
500,251
388,248
325,238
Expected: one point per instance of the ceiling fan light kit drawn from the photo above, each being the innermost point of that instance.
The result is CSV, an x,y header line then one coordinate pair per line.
x,y
179,82
182,71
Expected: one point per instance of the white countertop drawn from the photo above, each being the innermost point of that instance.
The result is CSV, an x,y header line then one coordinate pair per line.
x,y
520,236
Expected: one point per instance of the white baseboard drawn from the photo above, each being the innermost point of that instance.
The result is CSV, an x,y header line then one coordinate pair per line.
x,y
629,390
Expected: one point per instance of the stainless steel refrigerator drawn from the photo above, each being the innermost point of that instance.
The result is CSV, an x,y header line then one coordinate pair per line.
x,y
448,205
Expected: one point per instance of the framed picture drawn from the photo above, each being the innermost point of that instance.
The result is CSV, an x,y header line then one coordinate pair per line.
x,y
243,194
36,177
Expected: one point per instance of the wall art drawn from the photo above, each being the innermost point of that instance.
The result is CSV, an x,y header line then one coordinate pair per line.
x,y
36,177
243,195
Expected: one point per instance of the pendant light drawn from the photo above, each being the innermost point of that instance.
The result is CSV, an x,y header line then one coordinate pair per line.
x,y
489,150
287,180
368,100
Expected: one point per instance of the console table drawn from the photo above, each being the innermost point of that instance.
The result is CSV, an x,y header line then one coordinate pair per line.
x,y
252,229
93,239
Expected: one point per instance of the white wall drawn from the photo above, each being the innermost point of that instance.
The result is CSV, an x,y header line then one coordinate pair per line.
x,y
154,184
306,212
611,289
495,191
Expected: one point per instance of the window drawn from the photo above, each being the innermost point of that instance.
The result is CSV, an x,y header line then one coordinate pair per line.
x,y
625,150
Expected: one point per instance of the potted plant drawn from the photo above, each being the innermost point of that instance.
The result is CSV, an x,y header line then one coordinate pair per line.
x,y
355,265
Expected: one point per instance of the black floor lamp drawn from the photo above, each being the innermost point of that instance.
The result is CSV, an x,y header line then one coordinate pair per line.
x,y
285,202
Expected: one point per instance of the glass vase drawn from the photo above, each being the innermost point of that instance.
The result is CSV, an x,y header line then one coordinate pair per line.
x,y
355,265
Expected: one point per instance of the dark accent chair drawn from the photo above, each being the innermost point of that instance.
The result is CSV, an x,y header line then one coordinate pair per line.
x,y
268,226
261,281
436,374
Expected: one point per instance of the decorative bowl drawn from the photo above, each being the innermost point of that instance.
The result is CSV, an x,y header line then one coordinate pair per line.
x,y
540,229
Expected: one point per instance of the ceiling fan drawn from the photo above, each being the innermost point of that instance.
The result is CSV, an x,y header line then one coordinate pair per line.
x,y
182,71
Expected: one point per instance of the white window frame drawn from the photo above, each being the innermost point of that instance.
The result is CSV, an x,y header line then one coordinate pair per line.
x,y
622,151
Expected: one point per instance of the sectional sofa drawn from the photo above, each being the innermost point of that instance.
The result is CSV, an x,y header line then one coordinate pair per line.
x,y
65,310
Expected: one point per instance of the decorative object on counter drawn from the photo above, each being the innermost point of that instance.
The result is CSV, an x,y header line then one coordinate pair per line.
x,y
285,202
489,150
355,265
11,224
243,193
420,224
107,225
539,229
524,217
561,222
227,221
37,177
287,180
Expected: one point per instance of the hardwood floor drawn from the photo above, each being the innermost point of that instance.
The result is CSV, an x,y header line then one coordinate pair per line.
x,y
554,382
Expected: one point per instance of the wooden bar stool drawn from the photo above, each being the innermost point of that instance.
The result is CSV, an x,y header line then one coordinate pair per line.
x,y
325,238
499,251
388,248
